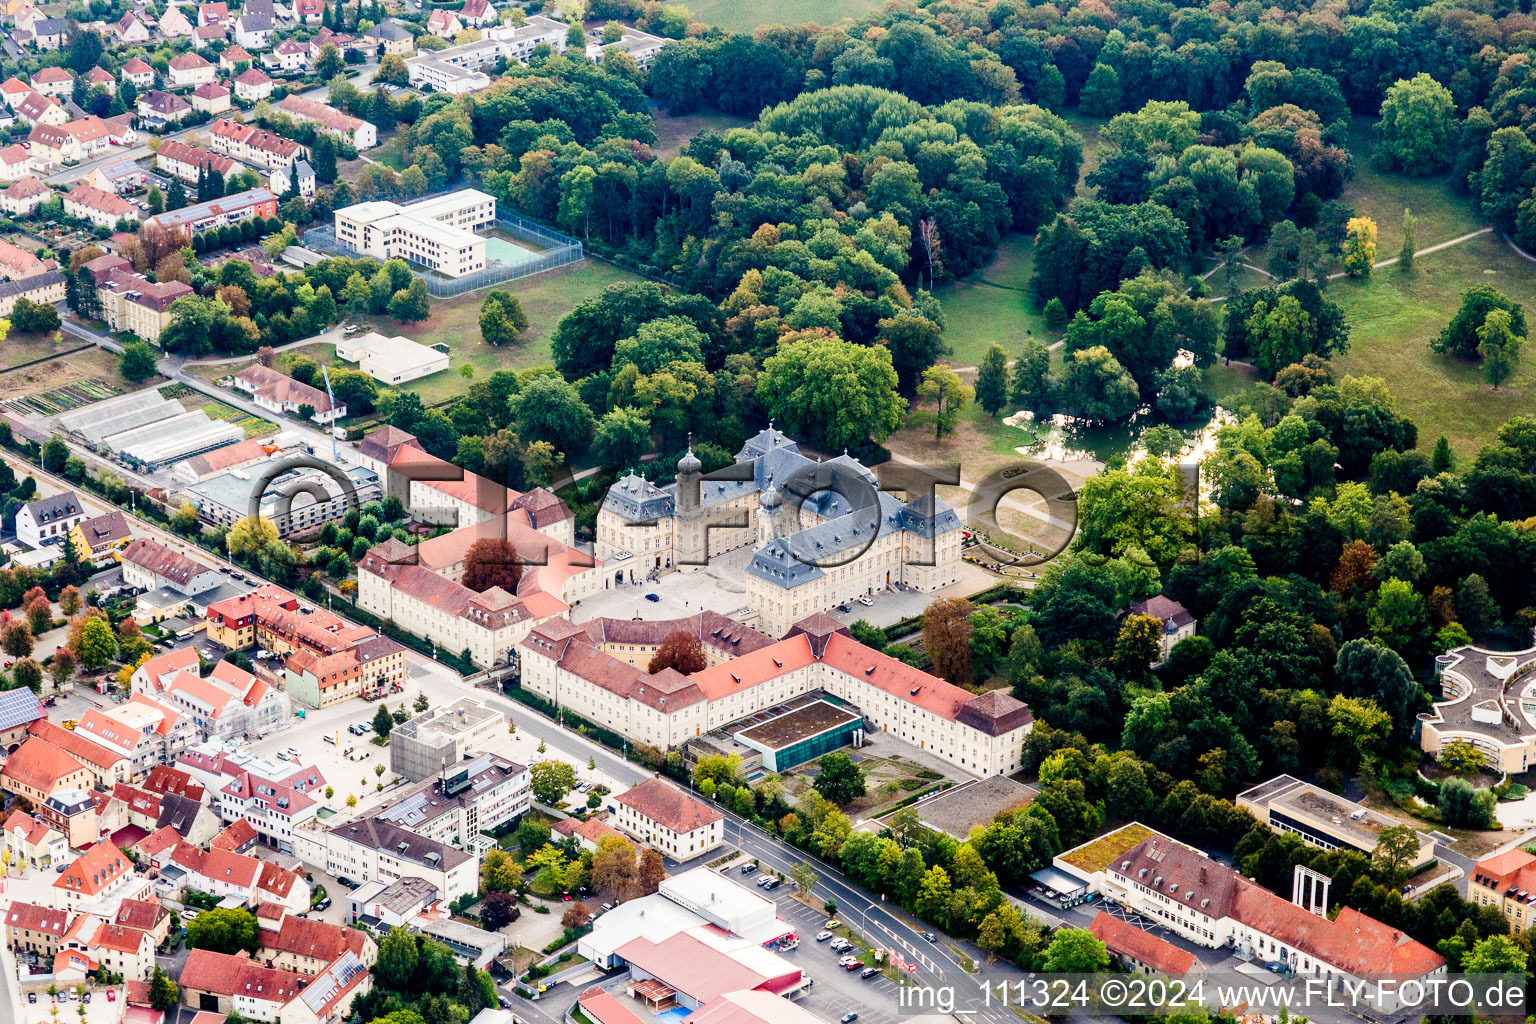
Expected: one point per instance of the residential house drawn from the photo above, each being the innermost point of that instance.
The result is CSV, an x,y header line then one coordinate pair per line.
x,y
297,944
147,731
35,108
13,90
33,843
252,146
15,163
49,33
390,38
300,175
159,110
129,30
104,209
233,56
230,703
105,768
189,70
665,818
129,952
120,176
1506,882
54,81
210,98
180,160
216,213
213,14
101,539
137,71
588,832
145,915
479,13
48,519
225,984
19,708
24,195
96,874
445,25
309,12
17,263
46,287
205,36
174,24
254,30
85,139
277,392
288,57
150,565
359,133
33,929
275,808
103,78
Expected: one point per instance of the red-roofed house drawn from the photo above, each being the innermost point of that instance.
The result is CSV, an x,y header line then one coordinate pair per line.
x,y
123,950
664,817
138,72
1508,883
189,70
237,984
35,929
1139,949
96,874
589,832
307,947
34,843
107,768
38,769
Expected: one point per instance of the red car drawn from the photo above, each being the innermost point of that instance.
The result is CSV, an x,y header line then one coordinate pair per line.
x,y
111,995
566,896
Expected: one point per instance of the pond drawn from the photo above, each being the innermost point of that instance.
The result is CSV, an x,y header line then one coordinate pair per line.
x,y
1062,438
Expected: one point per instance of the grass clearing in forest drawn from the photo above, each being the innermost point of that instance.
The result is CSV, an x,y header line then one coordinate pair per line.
x,y
735,16
992,306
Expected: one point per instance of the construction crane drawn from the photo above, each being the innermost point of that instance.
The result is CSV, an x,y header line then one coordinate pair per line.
x,y
332,396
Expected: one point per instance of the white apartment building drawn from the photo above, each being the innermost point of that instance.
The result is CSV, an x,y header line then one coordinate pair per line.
x,y
668,820
49,520
982,734
381,850
457,69
436,233
465,799
150,565
142,729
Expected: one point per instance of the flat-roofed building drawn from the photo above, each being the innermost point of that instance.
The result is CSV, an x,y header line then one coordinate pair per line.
x,y
391,360
439,738
464,800
1325,819
290,501
1489,706
439,234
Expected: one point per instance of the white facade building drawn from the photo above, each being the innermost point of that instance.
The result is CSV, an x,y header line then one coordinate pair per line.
x,y
436,233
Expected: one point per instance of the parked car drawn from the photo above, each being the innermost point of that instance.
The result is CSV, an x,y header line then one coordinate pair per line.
x,y
848,1018
653,597
283,755
111,995
772,884
188,915
85,998
748,868
849,961
869,972
823,936
344,880
853,965
31,997
324,904
832,922
763,880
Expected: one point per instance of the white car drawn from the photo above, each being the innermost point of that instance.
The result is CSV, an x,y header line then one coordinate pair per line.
x,y
823,936
867,601
283,755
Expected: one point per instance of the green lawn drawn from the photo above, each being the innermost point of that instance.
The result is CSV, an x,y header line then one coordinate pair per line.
x,y
673,133
1392,318
992,306
1442,214
546,298
736,16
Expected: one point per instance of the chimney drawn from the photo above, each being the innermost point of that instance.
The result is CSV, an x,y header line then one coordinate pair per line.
x,y
1202,876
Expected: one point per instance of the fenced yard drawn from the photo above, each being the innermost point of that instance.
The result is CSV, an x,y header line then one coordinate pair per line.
x,y
546,250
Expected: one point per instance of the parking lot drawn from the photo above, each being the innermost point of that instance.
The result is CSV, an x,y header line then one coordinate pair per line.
x,y
837,991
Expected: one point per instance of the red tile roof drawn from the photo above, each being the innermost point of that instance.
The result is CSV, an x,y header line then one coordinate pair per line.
x,y
94,870
227,975
36,918
39,764
1126,940
669,806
